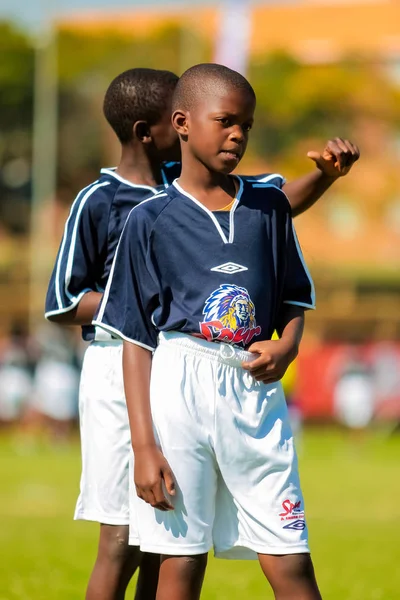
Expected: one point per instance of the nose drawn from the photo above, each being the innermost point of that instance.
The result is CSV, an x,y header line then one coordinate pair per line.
x,y
236,134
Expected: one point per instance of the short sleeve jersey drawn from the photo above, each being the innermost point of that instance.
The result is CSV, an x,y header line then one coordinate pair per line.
x,y
222,276
90,238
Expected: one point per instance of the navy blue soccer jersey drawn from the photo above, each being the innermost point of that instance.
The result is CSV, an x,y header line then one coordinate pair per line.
x,y
220,275
91,236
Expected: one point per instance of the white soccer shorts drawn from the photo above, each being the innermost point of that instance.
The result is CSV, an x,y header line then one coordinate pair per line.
x,y
105,437
228,441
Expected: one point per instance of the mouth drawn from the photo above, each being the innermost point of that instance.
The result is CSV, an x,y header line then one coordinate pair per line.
x,y
232,155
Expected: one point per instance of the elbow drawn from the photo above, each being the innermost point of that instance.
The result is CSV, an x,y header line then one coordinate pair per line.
x,y
55,319
296,211
66,318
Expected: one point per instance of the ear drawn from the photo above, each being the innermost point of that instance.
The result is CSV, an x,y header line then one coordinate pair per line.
x,y
141,132
180,122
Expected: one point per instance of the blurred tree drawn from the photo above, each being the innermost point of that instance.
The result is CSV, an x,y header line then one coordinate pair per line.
x,y
16,78
16,100
297,102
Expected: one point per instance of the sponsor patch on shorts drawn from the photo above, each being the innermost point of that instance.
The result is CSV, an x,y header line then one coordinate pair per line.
x,y
292,515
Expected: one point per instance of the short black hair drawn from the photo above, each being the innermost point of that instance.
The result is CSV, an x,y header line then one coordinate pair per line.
x,y
137,95
203,77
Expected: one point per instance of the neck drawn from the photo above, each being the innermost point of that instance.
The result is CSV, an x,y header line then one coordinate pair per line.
x,y
136,167
198,180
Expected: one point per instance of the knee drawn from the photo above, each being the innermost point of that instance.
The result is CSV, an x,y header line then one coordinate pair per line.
x,y
113,545
297,567
290,572
188,567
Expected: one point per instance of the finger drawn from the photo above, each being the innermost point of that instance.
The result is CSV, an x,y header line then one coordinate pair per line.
x,y
342,144
258,363
271,379
354,150
169,481
347,155
256,348
163,506
160,499
139,492
262,371
353,156
148,497
315,156
335,150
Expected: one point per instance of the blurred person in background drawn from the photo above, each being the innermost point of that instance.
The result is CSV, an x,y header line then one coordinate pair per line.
x,y
16,376
385,365
54,402
137,105
354,393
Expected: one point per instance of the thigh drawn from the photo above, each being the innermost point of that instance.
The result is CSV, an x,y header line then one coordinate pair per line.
x,y
181,421
258,463
105,437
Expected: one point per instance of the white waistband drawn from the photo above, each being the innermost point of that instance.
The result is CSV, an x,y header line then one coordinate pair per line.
x,y
217,351
101,335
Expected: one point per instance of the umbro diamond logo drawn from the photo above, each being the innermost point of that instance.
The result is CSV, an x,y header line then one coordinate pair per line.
x,y
298,525
229,268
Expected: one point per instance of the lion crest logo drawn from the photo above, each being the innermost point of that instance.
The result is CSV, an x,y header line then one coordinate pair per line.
x,y
229,316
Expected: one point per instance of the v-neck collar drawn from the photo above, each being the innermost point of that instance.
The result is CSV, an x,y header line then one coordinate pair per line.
x,y
212,216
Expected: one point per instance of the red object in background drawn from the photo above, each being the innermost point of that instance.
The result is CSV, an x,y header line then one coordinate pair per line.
x,y
319,369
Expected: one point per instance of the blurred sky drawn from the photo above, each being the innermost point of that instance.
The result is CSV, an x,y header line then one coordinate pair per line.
x,y
31,12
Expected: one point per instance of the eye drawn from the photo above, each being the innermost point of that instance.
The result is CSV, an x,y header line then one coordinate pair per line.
x,y
247,126
224,121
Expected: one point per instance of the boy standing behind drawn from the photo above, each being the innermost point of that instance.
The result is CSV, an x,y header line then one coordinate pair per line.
x,y
137,105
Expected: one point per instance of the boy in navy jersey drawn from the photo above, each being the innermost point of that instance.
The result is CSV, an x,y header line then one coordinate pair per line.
x,y
203,274
138,107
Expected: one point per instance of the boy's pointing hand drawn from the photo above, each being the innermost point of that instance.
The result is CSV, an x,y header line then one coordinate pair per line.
x,y
337,157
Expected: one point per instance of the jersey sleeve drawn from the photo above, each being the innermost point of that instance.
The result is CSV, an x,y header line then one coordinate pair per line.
x,y
298,285
272,179
82,251
131,294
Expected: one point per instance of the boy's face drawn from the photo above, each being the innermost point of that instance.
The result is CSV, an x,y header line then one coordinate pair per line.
x,y
218,128
165,139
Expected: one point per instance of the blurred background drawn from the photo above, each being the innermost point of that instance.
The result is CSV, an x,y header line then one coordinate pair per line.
x,y
320,69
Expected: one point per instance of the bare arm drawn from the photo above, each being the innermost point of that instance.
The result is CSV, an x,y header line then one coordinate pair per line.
x,y
335,161
290,326
304,192
82,314
136,364
151,468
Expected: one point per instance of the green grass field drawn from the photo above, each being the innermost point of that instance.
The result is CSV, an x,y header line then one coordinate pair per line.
x,y
352,492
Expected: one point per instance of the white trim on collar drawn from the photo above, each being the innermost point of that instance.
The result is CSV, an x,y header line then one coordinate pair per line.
x,y
112,172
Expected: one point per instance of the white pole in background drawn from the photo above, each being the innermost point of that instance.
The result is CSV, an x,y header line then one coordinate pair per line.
x,y
44,160
233,38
